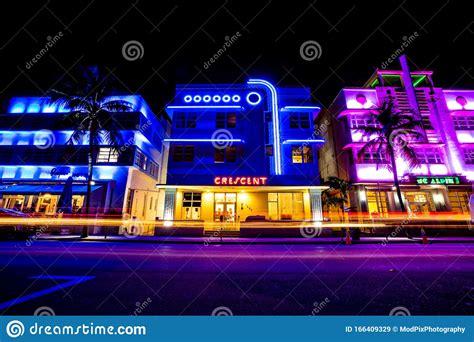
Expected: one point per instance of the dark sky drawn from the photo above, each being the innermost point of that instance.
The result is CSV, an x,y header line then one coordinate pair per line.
x,y
179,37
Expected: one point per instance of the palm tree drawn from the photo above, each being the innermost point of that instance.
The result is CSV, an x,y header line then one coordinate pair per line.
x,y
389,133
337,194
91,113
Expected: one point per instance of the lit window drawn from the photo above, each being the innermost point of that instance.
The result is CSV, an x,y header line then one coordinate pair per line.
x,y
107,155
302,154
373,157
140,160
358,121
429,156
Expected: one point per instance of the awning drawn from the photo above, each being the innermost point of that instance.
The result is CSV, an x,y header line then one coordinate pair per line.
x,y
50,189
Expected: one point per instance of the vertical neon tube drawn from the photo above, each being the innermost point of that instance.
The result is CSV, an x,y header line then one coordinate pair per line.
x,y
276,120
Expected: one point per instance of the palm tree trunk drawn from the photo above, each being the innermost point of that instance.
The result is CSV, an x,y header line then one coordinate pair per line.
x,y
396,183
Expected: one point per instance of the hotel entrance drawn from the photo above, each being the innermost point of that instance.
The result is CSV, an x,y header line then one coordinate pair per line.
x,y
420,202
224,206
233,208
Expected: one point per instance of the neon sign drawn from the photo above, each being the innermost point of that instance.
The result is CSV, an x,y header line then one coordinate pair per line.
x,y
276,119
240,180
438,180
215,98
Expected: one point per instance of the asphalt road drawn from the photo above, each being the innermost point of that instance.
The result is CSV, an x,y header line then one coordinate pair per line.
x,y
96,278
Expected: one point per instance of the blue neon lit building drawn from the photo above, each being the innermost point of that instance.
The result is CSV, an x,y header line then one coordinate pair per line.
x,y
35,161
242,151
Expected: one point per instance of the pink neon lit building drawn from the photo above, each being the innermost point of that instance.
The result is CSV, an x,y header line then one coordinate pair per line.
x,y
442,182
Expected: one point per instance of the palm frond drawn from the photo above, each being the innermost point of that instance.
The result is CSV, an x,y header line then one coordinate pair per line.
x,y
77,137
117,106
409,156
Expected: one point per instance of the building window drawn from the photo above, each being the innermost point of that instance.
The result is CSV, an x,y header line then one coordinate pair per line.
x,y
153,168
373,157
183,153
226,120
268,117
107,155
299,120
269,150
228,154
463,122
140,159
358,121
468,155
191,205
186,120
429,156
302,154
192,199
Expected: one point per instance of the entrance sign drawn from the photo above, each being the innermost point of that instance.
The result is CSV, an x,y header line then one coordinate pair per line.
x,y
443,180
240,180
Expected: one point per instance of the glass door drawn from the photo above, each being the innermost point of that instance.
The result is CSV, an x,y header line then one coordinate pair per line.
x,y
224,207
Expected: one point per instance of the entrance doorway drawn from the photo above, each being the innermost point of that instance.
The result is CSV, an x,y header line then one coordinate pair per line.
x,y
224,207
420,202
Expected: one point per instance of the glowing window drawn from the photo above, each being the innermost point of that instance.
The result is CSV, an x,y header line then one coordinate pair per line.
x,y
302,154
107,155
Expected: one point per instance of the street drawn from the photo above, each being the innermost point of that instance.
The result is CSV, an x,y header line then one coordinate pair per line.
x,y
132,278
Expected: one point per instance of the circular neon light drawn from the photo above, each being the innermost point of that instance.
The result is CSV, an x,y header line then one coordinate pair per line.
x,y
236,98
254,98
216,98
226,98
197,98
206,98
188,98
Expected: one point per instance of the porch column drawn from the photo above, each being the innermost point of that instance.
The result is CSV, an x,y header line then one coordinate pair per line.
x,y
316,205
170,201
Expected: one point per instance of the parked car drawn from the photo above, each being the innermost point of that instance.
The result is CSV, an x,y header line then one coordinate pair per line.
x,y
17,231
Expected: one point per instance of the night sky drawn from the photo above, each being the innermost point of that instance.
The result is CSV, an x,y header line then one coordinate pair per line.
x,y
179,37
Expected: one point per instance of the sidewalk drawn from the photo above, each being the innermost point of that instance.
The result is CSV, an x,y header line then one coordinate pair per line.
x,y
250,241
